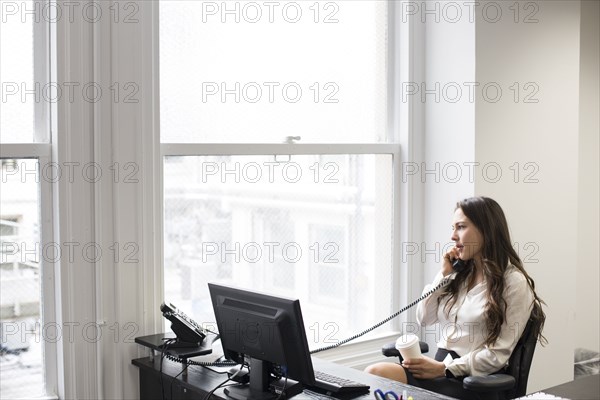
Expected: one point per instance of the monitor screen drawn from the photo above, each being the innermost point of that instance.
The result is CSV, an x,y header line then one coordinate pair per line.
x,y
266,329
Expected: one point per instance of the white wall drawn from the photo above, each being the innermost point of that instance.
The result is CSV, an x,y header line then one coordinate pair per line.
x,y
541,202
448,130
587,299
531,134
449,127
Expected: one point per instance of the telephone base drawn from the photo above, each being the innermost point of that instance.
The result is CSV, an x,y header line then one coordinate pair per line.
x,y
156,342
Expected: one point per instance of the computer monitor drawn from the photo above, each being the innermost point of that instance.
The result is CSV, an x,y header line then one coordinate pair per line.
x,y
267,329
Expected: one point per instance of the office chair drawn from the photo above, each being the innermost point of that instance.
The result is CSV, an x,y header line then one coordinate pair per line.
x,y
508,385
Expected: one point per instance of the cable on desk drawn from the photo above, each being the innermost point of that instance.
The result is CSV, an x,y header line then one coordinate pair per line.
x,y
175,377
207,397
202,363
283,388
162,357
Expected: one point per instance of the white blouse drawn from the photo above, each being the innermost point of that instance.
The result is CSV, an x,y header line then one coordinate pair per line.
x,y
463,330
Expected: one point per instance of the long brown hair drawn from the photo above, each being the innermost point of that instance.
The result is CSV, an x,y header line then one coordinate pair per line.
x,y
497,253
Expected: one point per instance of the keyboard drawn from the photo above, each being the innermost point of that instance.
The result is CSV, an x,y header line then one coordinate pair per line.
x,y
335,384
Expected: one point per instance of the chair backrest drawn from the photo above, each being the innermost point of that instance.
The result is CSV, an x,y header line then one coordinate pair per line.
x,y
520,360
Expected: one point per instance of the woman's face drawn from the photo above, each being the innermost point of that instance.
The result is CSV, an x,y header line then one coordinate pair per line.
x,y
468,239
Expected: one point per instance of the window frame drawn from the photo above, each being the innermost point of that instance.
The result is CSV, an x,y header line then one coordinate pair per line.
x,y
232,149
41,149
42,153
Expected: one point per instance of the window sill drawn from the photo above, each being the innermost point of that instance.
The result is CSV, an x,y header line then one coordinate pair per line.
x,y
361,353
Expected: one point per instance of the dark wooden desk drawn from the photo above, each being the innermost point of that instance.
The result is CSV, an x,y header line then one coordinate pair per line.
x,y
199,381
587,388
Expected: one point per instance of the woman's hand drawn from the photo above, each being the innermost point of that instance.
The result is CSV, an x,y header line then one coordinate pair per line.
x,y
448,258
425,367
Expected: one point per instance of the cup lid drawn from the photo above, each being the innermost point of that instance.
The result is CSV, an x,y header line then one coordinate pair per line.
x,y
407,340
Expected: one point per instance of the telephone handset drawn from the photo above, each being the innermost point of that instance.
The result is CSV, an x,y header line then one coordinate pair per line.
x,y
459,265
189,333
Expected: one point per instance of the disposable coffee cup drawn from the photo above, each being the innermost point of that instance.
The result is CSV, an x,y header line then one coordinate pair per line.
x,y
408,346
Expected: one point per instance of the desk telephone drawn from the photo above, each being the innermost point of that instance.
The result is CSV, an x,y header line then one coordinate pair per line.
x,y
189,333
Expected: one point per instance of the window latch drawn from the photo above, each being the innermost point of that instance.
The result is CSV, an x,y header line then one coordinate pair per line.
x,y
292,139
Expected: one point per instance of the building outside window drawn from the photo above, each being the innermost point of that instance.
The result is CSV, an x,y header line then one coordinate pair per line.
x,y
21,356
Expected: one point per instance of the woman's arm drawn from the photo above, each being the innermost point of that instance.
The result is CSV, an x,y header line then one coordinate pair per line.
x,y
489,359
427,310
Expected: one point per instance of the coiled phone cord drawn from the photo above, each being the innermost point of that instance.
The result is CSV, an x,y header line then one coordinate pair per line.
x,y
391,317
202,363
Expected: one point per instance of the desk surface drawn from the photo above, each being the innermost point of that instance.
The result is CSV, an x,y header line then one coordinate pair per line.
x,y
203,380
586,388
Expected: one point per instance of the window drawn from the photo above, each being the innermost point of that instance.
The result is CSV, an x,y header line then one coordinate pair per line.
x,y
9,226
24,203
279,167
19,253
329,270
248,71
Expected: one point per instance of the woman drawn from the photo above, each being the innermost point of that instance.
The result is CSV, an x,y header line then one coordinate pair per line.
x,y
482,312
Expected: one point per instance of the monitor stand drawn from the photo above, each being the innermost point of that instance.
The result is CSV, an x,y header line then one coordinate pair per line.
x,y
262,386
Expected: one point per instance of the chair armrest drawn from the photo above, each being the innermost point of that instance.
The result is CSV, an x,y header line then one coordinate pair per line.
x,y
389,350
489,383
